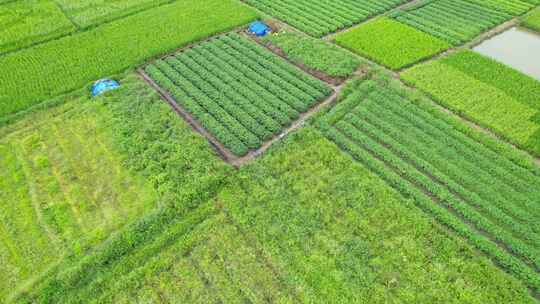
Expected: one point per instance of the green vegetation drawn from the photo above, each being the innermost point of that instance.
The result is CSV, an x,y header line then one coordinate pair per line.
x,y
532,20
382,196
482,195
485,92
315,54
63,190
67,183
456,21
47,70
512,82
240,92
305,224
318,18
86,13
25,22
391,43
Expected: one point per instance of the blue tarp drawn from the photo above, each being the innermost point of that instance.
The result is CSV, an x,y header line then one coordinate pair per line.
x,y
259,28
104,85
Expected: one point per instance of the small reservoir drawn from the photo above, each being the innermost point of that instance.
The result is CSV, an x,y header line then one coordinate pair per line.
x,y
518,48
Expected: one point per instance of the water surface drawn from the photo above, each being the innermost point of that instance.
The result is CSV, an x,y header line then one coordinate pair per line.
x,y
518,48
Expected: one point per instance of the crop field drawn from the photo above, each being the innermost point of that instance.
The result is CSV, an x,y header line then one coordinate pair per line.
x,y
315,54
23,23
532,20
485,91
88,13
391,43
458,21
259,239
377,151
486,198
318,18
59,66
63,189
240,92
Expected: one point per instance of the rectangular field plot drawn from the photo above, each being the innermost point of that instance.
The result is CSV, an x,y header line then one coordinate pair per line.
x,y
458,21
480,188
485,91
91,12
25,22
238,91
318,18
63,190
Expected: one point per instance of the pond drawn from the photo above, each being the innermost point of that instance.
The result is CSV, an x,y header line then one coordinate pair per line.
x,y
518,48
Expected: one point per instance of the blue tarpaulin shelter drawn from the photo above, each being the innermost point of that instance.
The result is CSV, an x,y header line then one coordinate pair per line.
x,y
259,28
104,85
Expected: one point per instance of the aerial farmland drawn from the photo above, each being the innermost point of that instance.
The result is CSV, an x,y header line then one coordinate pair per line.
x,y
270,151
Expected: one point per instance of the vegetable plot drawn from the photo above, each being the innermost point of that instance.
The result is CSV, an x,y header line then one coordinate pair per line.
x,y
318,18
468,185
237,90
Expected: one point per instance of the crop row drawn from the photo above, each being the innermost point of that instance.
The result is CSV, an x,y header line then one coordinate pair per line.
x,y
487,200
240,92
455,21
318,18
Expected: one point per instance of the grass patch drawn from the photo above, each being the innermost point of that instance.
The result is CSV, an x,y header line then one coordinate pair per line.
x,y
76,173
23,23
63,65
391,43
490,106
316,54
532,20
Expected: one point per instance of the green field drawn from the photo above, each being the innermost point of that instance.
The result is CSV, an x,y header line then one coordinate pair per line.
x,y
315,54
458,21
485,91
232,64
532,20
391,43
63,65
86,13
23,23
306,224
319,18
360,152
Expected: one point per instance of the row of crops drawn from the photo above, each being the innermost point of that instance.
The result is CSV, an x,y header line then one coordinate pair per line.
x,y
468,185
318,18
239,91
458,21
